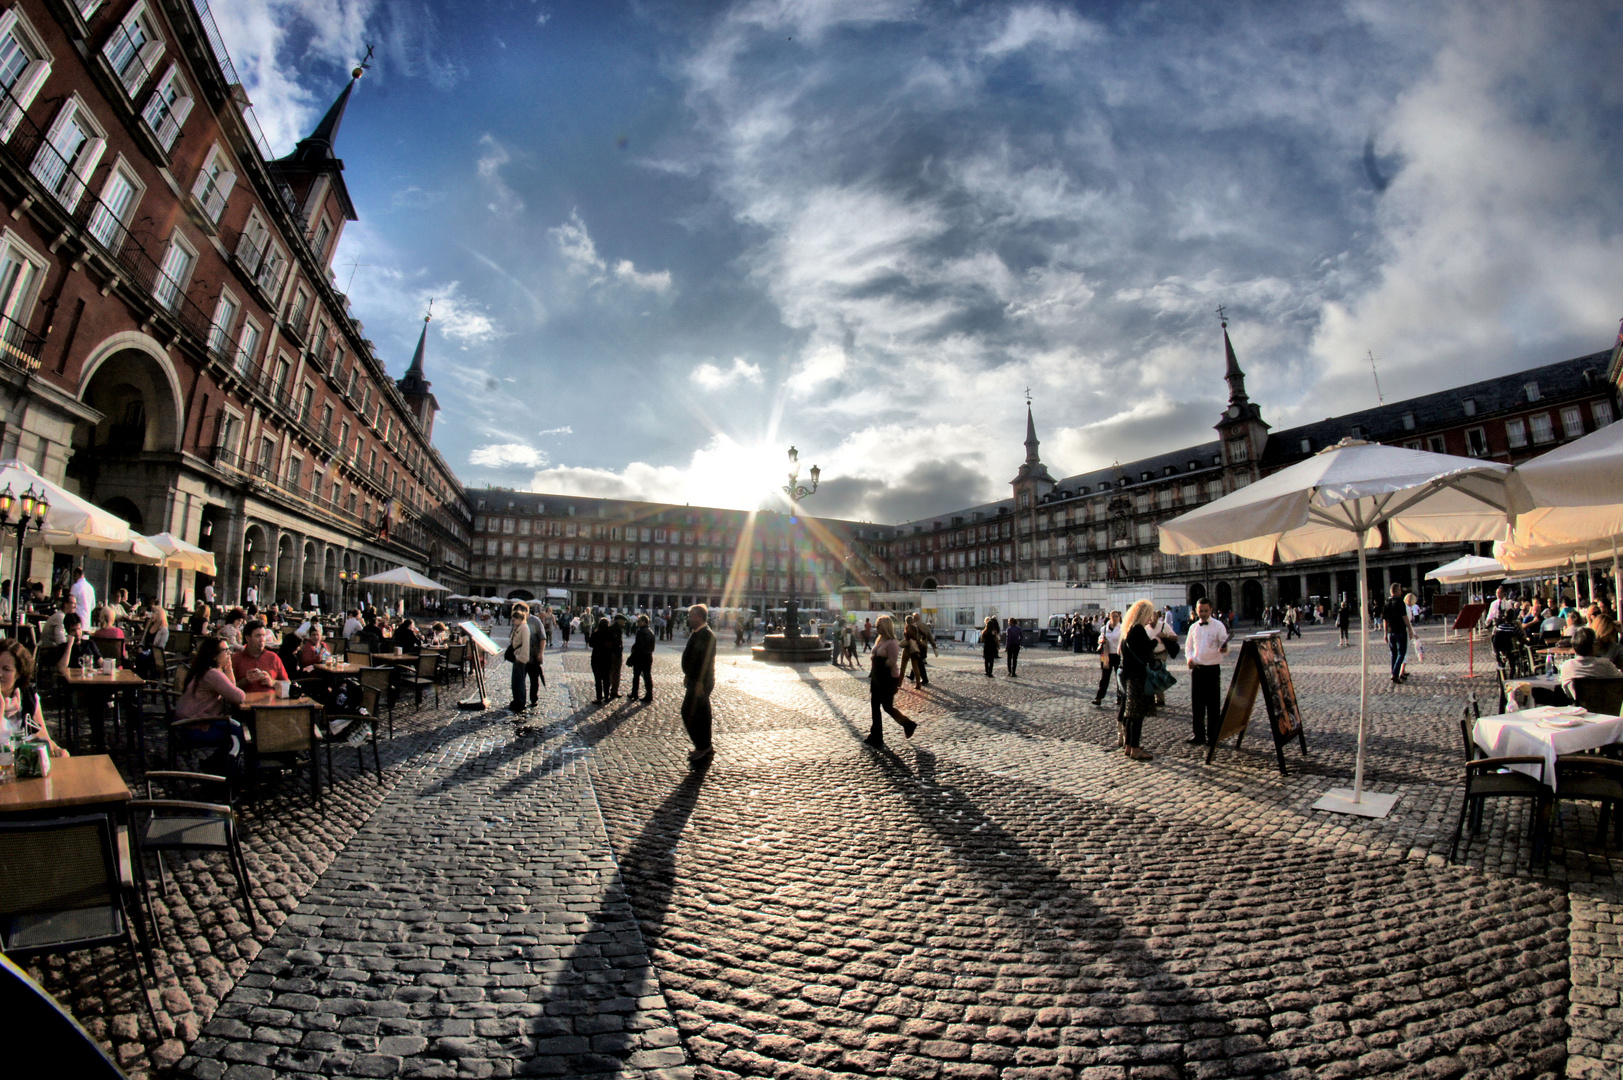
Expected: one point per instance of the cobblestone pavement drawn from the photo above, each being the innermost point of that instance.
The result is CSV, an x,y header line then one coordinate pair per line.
x,y
1003,895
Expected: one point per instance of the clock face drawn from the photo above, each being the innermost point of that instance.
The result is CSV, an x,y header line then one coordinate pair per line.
x,y
1234,412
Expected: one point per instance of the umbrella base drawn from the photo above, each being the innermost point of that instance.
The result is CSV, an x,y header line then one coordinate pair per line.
x,y
474,704
1372,805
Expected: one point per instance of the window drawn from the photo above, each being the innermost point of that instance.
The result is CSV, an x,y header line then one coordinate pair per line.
x,y
1469,405
1239,450
1572,421
230,430
134,48
322,235
1357,432
1516,433
214,183
20,273
168,107
301,308
1414,444
1408,421
1600,412
111,214
1533,393
258,254
1476,442
307,402
1436,444
72,148
1307,446
24,65
284,368
175,272
1543,432
267,455
247,345
225,314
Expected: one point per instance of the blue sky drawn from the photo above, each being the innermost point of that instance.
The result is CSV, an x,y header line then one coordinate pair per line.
x,y
666,240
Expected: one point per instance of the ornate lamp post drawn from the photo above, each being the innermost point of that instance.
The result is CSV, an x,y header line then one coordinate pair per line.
x,y
795,491
31,510
257,572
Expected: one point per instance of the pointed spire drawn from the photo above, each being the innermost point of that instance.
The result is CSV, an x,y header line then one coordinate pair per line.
x,y
416,369
1031,437
317,149
1232,373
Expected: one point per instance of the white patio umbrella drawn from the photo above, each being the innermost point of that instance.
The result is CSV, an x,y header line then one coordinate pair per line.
x,y
1340,500
1575,501
407,577
180,555
1468,568
71,520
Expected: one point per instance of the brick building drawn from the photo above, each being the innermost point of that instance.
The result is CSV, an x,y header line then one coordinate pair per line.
x,y
175,348
1102,525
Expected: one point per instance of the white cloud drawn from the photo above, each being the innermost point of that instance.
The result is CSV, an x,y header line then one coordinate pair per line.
x,y
581,257
823,364
565,430
711,377
656,281
1035,24
513,455
504,201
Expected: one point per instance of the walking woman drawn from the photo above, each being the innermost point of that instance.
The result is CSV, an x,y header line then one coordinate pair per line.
x,y
989,643
1137,651
1109,656
883,678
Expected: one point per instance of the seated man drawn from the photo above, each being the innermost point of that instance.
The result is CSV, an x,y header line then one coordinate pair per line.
x,y
257,667
1585,665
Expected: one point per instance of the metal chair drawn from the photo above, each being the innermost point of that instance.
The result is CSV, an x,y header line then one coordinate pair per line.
x,y
456,659
357,729
187,825
381,679
285,730
1488,778
1592,778
427,667
358,658
65,885
1599,695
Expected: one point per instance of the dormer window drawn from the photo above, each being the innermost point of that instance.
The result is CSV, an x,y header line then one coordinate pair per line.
x,y
1469,405
1533,391
1307,446
1408,421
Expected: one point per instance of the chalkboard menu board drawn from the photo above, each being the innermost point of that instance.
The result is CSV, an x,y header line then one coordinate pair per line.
x,y
1262,670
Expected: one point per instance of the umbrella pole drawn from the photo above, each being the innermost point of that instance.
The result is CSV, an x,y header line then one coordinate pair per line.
x,y
1363,666
1617,578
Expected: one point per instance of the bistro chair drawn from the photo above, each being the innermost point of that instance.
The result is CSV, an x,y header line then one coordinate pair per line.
x,y
284,730
28,1008
1488,778
180,642
358,658
66,885
1591,778
357,729
188,825
427,666
359,644
1599,695
456,659
381,679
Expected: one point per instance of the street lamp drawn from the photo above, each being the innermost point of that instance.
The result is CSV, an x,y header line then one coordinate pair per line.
x,y
257,572
795,491
31,510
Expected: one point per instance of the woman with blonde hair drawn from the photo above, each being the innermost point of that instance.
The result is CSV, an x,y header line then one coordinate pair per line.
x,y
883,678
1607,645
1137,653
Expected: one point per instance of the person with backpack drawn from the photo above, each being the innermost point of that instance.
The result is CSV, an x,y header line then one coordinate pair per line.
x,y
642,660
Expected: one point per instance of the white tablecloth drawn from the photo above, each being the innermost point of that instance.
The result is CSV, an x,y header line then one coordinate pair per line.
x,y
1520,735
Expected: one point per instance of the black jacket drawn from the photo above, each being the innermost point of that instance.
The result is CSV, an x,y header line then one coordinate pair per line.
x,y
642,647
699,660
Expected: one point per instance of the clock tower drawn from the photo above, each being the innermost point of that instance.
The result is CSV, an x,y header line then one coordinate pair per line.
x,y
1241,430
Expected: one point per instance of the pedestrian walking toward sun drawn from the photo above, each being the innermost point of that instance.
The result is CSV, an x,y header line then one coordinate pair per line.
x,y
883,678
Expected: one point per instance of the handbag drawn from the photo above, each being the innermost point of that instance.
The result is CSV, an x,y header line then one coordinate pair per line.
x,y
1174,650
508,655
1157,679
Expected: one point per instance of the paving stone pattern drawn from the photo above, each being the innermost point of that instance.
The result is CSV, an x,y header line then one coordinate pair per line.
x,y
1003,896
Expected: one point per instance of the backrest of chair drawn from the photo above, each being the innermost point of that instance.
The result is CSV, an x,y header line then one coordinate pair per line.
x,y
59,864
178,683
1588,776
1599,695
427,664
370,695
359,644
454,655
180,641
284,729
360,659
1467,724
377,678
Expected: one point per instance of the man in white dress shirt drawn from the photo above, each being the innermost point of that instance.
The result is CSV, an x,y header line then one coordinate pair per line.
x,y
84,594
1208,641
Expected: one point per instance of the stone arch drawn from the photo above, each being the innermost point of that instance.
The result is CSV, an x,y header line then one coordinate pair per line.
x,y
286,566
1197,593
1251,598
126,368
1225,596
309,574
521,594
928,583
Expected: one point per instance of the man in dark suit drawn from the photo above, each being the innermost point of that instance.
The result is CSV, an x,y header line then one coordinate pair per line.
x,y
699,676
642,660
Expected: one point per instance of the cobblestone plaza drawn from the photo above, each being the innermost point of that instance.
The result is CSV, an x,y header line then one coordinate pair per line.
x,y
1002,896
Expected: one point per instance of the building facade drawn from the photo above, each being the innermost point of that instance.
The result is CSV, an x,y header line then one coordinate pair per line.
x,y
1102,526
174,346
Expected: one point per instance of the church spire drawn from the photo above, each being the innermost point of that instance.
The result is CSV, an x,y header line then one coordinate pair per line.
x,y
1031,438
415,371
414,385
317,148
1232,373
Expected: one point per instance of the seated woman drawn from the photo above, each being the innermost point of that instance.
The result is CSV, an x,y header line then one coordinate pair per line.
x,y
199,623
109,638
203,713
157,628
231,628
19,700
79,650
406,638
1607,645
437,635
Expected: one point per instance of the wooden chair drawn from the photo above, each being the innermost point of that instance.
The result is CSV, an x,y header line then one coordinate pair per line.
x,y
456,659
357,729
1599,695
358,658
1488,778
359,644
66,884
180,642
427,666
381,679
171,824
285,730
1592,778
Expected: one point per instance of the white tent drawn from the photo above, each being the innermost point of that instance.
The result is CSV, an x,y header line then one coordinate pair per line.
x,y
406,577
1468,568
1341,500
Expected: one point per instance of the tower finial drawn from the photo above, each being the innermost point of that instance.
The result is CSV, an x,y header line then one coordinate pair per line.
x,y
1222,316
364,66
430,313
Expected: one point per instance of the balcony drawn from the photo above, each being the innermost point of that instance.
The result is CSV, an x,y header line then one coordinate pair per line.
x,y
19,347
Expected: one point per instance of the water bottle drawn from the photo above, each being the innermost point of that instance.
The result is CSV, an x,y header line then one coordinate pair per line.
x,y
8,757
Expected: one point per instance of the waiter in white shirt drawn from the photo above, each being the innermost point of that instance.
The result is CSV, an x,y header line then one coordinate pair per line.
x,y
84,594
1208,641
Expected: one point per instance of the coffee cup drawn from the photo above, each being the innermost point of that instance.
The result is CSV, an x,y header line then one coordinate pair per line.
x,y
284,688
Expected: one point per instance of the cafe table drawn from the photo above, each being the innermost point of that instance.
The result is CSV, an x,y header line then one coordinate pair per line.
x,y
97,681
78,784
1546,732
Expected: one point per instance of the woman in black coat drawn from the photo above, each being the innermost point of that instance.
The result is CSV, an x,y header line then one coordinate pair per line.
x,y
1137,651
607,650
989,644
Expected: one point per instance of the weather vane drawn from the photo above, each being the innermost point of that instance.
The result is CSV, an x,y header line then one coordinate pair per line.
x,y
430,313
1222,316
1028,395
365,64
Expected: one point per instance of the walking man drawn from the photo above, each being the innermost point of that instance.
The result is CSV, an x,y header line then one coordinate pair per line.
x,y
642,660
699,677
1396,616
1013,639
1208,641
